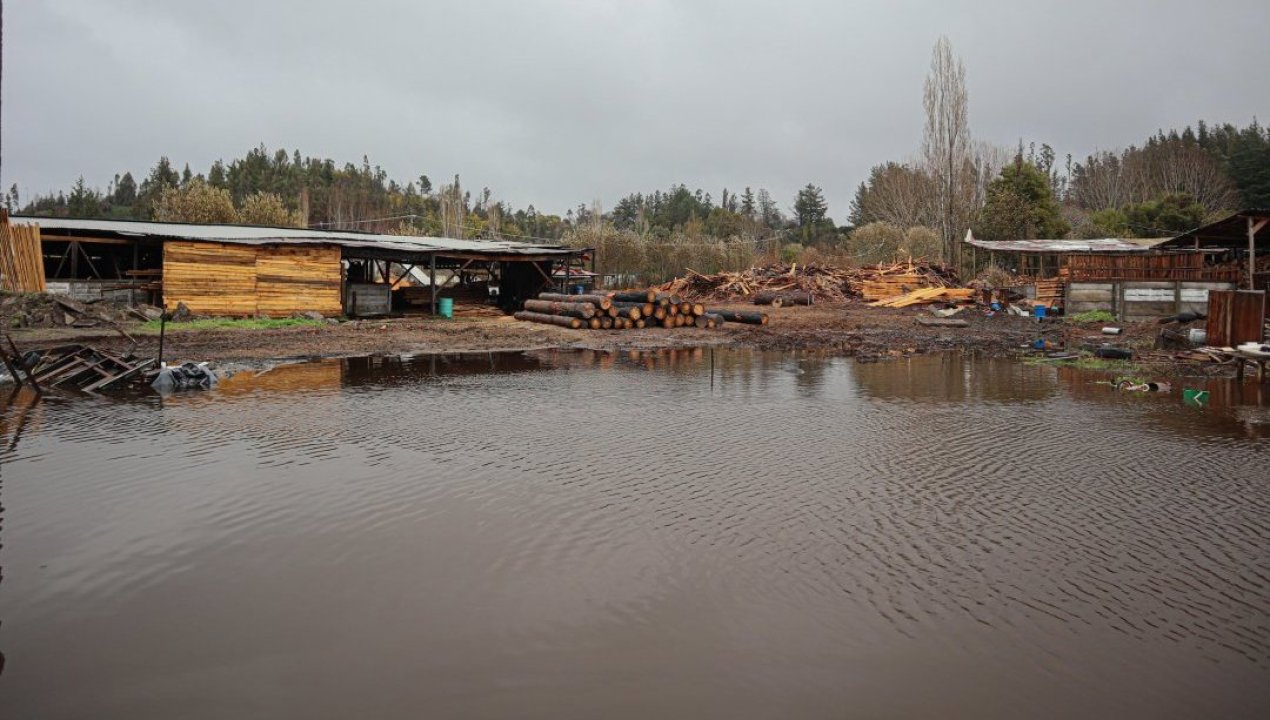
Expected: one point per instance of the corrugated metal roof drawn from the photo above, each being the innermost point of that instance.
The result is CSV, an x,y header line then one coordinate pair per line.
x,y
1060,247
257,235
1230,231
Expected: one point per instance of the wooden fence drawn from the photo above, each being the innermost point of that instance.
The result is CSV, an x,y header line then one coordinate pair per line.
x,y
1169,266
1235,316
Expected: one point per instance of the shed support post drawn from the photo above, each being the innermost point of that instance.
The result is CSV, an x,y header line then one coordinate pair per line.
x,y
432,280
1253,228
1252,254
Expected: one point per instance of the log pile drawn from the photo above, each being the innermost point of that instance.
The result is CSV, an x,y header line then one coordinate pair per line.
x,y
1050,292
815,283
629,310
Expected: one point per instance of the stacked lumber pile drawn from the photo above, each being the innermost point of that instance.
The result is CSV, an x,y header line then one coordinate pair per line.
x,y
926,296
1051,292
902,278
813,282
628,310
21,257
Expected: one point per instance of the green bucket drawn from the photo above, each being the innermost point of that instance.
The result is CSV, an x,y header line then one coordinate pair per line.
x,y
1195,397
445,307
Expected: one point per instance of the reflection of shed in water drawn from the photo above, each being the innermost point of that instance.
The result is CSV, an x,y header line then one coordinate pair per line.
x,y
949,377
302,376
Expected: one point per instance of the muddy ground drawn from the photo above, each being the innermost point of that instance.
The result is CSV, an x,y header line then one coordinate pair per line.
x,y
850,328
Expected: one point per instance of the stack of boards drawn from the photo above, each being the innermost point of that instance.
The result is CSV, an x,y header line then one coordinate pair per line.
x,y
629,310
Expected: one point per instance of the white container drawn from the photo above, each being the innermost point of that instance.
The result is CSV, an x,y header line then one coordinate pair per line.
x,y
1197,336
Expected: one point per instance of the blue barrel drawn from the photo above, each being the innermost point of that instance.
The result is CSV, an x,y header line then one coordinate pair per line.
x,y
1039,311
445,307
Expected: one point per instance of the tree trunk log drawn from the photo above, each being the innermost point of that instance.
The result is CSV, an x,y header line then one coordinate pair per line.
x,y
777,299
586,311
635,296
601,301
561,320
749,318
634,311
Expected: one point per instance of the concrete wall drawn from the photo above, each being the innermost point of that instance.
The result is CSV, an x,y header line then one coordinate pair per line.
x,y
1137,300
84,290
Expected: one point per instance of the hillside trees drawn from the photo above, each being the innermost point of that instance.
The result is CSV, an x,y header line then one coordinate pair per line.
x,y
196,202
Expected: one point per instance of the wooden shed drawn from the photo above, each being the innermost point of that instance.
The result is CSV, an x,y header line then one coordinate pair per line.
x,y
247,271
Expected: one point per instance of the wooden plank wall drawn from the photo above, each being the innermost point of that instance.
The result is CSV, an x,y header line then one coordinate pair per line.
x,y
230,280
1171,266
1234,317
298,279
210,278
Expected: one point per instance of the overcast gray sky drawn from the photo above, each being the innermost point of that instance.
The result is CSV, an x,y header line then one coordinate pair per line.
x,y
557,102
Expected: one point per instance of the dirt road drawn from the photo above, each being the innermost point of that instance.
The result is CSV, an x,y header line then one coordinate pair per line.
x,y
849,328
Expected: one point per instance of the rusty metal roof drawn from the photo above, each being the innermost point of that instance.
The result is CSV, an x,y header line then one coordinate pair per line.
x,y
259,235
1230,231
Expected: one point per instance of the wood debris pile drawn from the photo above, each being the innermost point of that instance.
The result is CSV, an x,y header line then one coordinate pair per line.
x,y
45,310
820,282
82,367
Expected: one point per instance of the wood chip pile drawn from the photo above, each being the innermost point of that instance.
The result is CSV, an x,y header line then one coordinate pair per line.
x,y
822,283
628,310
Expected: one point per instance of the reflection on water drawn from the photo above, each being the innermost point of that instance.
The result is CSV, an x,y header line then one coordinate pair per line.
x,y
647,533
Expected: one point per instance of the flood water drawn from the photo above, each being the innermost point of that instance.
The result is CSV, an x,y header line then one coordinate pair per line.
x,y
670,534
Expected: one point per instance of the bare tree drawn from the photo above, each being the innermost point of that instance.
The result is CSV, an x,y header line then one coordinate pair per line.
x,y
452,209
900,194
1099,182
946,144
1178,166
1108,180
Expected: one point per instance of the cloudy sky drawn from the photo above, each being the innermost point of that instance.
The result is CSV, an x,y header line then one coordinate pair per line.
x,y
558,102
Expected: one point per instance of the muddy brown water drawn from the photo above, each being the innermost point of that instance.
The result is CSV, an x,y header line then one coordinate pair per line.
x,y
665,534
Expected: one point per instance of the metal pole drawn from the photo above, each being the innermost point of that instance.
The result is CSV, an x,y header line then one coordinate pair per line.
x,y
1252,253
432,280
568,267
163,325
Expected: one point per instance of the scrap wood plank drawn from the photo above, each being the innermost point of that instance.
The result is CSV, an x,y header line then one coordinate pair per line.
x,y
942,322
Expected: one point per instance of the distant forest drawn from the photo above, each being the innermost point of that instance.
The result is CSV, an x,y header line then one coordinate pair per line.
x,y
1172,182
1198,172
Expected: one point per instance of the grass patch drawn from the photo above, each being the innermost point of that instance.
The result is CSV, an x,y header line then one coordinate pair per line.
x,y
234,324
1118,369
1092,316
